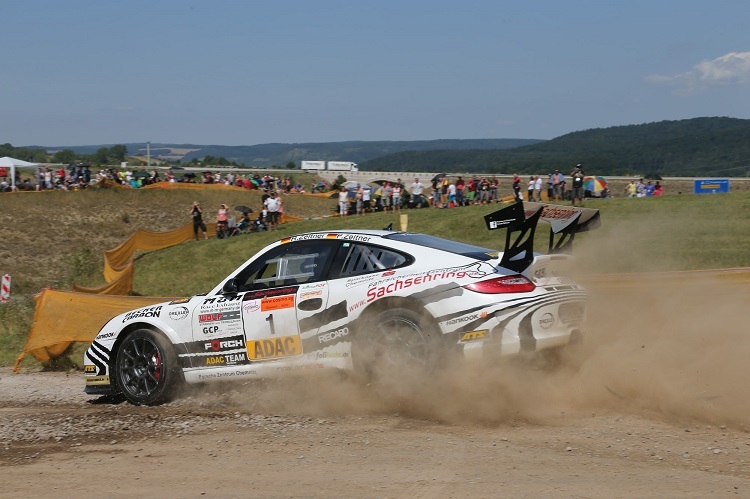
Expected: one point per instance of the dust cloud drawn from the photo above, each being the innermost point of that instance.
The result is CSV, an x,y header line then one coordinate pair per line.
x,y
672,348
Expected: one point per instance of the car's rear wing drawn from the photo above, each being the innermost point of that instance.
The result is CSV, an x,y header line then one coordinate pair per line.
x,y
564,222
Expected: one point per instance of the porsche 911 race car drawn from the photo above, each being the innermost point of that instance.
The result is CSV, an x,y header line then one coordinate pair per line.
x,y
354,299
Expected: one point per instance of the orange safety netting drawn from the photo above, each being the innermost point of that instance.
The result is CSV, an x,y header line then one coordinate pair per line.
x,y
188,185
63,317
118,262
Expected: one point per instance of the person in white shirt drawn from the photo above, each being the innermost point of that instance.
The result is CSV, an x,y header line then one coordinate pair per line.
x,y
365,200
396,197
343,202
538,188
417,188
272,204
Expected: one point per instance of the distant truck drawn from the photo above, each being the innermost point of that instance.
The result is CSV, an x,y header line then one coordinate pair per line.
x,y
337,166
313,165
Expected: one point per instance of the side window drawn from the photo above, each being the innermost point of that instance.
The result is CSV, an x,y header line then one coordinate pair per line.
x,y
287,265
362,259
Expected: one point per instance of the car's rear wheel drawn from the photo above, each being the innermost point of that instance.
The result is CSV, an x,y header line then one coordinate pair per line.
x,y
146,368
397,341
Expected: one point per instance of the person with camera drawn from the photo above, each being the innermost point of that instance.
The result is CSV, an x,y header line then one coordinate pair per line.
x,y
197,215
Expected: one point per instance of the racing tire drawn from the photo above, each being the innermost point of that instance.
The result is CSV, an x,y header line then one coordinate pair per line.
x,y
146,369
395,342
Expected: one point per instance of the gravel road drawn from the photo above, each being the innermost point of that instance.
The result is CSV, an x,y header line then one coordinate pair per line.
x,y
656,405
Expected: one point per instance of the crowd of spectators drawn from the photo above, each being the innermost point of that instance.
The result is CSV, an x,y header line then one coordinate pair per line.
x,y
80,176
450,192
641,189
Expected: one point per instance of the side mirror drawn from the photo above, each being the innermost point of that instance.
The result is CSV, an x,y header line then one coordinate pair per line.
x,y
230,287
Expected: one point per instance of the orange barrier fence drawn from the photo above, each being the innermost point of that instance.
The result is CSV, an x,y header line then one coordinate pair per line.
x,y
118,262
188,185
63,317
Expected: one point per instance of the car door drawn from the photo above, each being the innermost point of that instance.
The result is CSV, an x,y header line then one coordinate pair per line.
x,y
285,288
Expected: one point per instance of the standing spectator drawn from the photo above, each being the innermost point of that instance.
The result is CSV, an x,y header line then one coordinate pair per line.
x,y
197,213
397,196
658,188
649,189
530,189
451,195
416,193
435,192
550,188
444,193
538,188
517,188
221,222
471,195
385,198
460,184
484,191
343,202
360,201
557,184
577,183
272,204
366,199
494,185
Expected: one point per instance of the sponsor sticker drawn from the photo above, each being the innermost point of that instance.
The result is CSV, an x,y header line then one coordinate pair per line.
x,y
474,335
179,313
179,301
332,335
255,295
306,295
89,369
276,303
466,318
219,316
251,306
219,345
273,348
547,321
143,313
227,359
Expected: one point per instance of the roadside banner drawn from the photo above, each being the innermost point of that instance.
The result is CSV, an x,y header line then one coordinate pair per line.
x,y
5,289
711,186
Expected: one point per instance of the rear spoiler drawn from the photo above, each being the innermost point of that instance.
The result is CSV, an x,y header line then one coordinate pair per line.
x,y
565,222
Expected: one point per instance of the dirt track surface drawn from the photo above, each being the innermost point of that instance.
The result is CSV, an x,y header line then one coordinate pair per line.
x,y
655,404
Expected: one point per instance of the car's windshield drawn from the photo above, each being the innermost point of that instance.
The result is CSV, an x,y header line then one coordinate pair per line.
x,y
445,245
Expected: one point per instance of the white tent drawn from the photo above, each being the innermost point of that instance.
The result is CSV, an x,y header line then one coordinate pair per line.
x,y
12,163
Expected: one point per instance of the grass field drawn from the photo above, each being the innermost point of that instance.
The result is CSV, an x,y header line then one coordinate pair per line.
x,y
55,239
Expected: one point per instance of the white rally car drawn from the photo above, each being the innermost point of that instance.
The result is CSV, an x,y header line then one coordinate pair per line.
x,y
359,299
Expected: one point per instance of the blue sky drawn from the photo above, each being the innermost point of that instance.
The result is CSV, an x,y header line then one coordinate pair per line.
x,y
250,72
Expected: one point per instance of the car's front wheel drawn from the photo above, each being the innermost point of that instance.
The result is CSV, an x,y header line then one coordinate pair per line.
x,y
146,369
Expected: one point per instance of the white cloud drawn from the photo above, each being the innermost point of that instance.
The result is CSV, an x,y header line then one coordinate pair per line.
x,y
729,69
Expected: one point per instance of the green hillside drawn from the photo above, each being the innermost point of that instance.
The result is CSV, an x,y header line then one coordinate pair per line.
x,y
694,147
279,154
